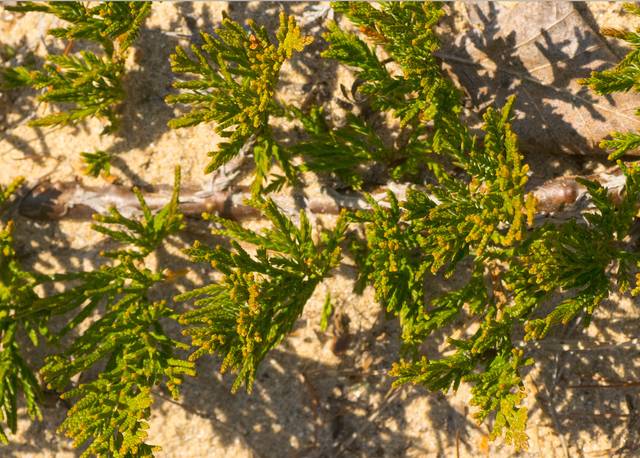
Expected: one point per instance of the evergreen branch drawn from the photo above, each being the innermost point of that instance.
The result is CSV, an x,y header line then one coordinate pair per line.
x,y
481,218
514,273
560,199
510,284
148,233
91,85
114,25
344,151
433,232
256,303
421,97
232,88
623,77
7,192
17,295
411,47
98,162
384,90
589,260
474,221
112,410
236,74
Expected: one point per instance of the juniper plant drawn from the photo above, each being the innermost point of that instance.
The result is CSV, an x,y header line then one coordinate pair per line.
x,y
477,224
83,84
127,341
475,221
237,72
260,297
481,216
418,95
17,297
236,80
90,83
622,78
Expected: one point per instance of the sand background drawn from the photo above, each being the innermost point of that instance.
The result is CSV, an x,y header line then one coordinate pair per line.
x,y
308,400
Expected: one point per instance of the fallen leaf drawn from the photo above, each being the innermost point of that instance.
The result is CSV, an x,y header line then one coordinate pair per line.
x,y
539,51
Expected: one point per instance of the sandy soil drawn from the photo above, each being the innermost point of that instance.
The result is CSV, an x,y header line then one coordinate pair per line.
x,y
308,400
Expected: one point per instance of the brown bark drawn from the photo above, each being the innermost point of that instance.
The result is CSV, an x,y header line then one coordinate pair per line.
x,y
53,201
561,197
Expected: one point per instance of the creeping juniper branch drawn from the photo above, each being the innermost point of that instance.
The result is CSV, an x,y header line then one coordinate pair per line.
x,y
479,219
237,72
474,221
112,410
420,96
17,296
259,298
236,76
90,84
623,77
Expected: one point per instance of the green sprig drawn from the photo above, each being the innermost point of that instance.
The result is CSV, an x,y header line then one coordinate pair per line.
x,y
111,410
259,298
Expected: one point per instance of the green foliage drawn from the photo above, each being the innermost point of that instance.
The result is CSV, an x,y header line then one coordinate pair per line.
x,y
236,77
6,193
88,82
114,25
474,221
436,228
327,311
346,151
236,74
477,224
420,92
17,296
623,77
514,274
424,101
478,220
85,83
259,298
7,55
98,162
127,339
589,260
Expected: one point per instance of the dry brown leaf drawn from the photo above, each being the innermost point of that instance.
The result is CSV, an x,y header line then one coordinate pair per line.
x,y
539,51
